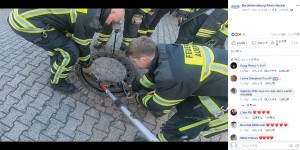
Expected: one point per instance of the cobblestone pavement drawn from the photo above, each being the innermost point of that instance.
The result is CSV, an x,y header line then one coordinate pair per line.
x,y
31,111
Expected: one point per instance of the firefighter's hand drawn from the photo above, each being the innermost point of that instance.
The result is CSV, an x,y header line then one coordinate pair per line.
x,y
140,95
137,18
150,13
181,19
136,86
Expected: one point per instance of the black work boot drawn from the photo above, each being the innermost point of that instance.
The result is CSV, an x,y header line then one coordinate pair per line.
x,y
123,47
99,44
64,86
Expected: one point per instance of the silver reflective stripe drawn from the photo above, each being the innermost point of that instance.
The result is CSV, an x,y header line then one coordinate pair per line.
x,y
219,121
145,82
208,60
209,103
73,15
219,67
20,20
208,12
38,12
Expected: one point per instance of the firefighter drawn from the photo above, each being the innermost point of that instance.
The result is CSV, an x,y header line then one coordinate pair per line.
x,y
192,78
149,23
104,35
133,19
203,26
52,30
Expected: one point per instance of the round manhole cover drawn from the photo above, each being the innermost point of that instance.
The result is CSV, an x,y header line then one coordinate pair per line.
x,y
108,67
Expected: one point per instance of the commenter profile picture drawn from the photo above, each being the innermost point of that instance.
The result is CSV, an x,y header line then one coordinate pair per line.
x,y
233,78
233,90
233,65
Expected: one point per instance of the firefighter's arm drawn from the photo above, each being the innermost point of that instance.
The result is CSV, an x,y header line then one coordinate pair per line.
x,y
84,29
144,83
167,95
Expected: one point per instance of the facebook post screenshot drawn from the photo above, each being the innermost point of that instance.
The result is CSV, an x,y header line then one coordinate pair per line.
x,y
263,86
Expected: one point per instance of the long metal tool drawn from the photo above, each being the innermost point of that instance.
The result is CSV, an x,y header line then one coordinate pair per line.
x,y
137,123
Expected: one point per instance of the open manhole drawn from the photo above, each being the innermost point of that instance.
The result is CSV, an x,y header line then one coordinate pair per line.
x,y
108,66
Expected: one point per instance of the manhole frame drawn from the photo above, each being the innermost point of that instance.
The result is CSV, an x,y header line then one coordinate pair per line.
x,y
131,73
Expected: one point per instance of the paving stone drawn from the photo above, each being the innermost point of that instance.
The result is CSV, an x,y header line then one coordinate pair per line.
x,y
43,138
79,111
87,125
93,113
16,80
150,118
31,79
114,134
28,116
48,91
23,103
98,135
3,71
35,130
27,70
19,92
45,78
63,138
3,80
10,101
46,114
39,102
129,134
39,70
35,89
5,139
36,62
13,71
16,131
63,112
24,62
81,136
25,139
55,100
53,128
3,129
118,124
11,117
11,64
5,91
104,122
69,101
70,127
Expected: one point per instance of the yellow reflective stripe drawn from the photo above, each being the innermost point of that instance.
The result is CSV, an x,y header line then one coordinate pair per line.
x,y
161,137
219,121
165,102
214,130
194,124
50,53
211,106
82,10
166,111
146,99
142,31
39,12
208,58
103,39
52,71
145,82
55,66
186,10
220,68
101,35
68,69
63,76
207,31
27,30
145,10
82,42
85,58
225,9
224,29
65,62
128,39
73,15
23,22
150,31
